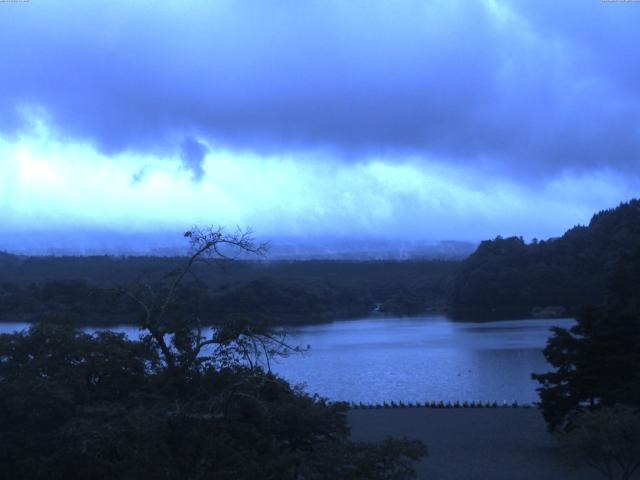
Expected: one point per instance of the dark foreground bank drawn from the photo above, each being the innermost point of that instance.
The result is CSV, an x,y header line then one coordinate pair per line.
x,y
472,444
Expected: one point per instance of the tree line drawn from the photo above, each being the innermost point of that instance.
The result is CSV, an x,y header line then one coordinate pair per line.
x,y
87,288
511,277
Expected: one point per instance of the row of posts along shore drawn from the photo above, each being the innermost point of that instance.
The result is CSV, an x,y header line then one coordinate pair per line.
x,y
438,404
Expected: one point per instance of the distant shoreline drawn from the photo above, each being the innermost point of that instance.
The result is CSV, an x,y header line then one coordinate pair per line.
x,y
474,316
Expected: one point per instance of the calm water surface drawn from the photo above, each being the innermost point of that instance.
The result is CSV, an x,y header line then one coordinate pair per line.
x,y
414,359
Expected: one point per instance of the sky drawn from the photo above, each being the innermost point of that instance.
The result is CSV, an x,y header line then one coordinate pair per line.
x,y
418,120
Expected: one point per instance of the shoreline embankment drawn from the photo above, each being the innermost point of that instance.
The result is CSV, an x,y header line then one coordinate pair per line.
x,y
473,443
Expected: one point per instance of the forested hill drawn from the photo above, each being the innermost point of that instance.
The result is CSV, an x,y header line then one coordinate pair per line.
x,y
508,276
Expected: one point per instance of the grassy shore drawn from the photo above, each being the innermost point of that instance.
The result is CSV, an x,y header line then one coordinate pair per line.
x,y
474,444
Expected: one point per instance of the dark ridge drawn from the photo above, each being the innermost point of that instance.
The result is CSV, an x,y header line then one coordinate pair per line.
x,y
554,277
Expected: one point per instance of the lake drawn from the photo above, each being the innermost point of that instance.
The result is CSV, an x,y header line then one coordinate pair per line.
x,y
414,359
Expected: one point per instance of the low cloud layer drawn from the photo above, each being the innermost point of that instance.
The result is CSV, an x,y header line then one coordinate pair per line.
x,y
48,185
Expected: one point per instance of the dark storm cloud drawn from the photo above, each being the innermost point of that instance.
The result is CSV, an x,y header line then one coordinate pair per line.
x,y
192,154
527,87
139,176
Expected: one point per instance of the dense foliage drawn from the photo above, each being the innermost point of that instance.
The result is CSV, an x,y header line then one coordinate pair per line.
x,y
85,288
508,276
266,299
505,277
607,439
597,362
74,405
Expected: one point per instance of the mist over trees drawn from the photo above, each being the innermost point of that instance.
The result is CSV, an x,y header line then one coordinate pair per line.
x,y
503,278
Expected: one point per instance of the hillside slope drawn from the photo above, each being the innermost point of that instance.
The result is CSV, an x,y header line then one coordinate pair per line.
x,y
510,277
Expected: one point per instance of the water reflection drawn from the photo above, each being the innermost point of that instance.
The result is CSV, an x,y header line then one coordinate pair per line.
x,y
421,358
413,359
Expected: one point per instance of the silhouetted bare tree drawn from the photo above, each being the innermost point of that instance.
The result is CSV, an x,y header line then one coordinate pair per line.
x,y
179,334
